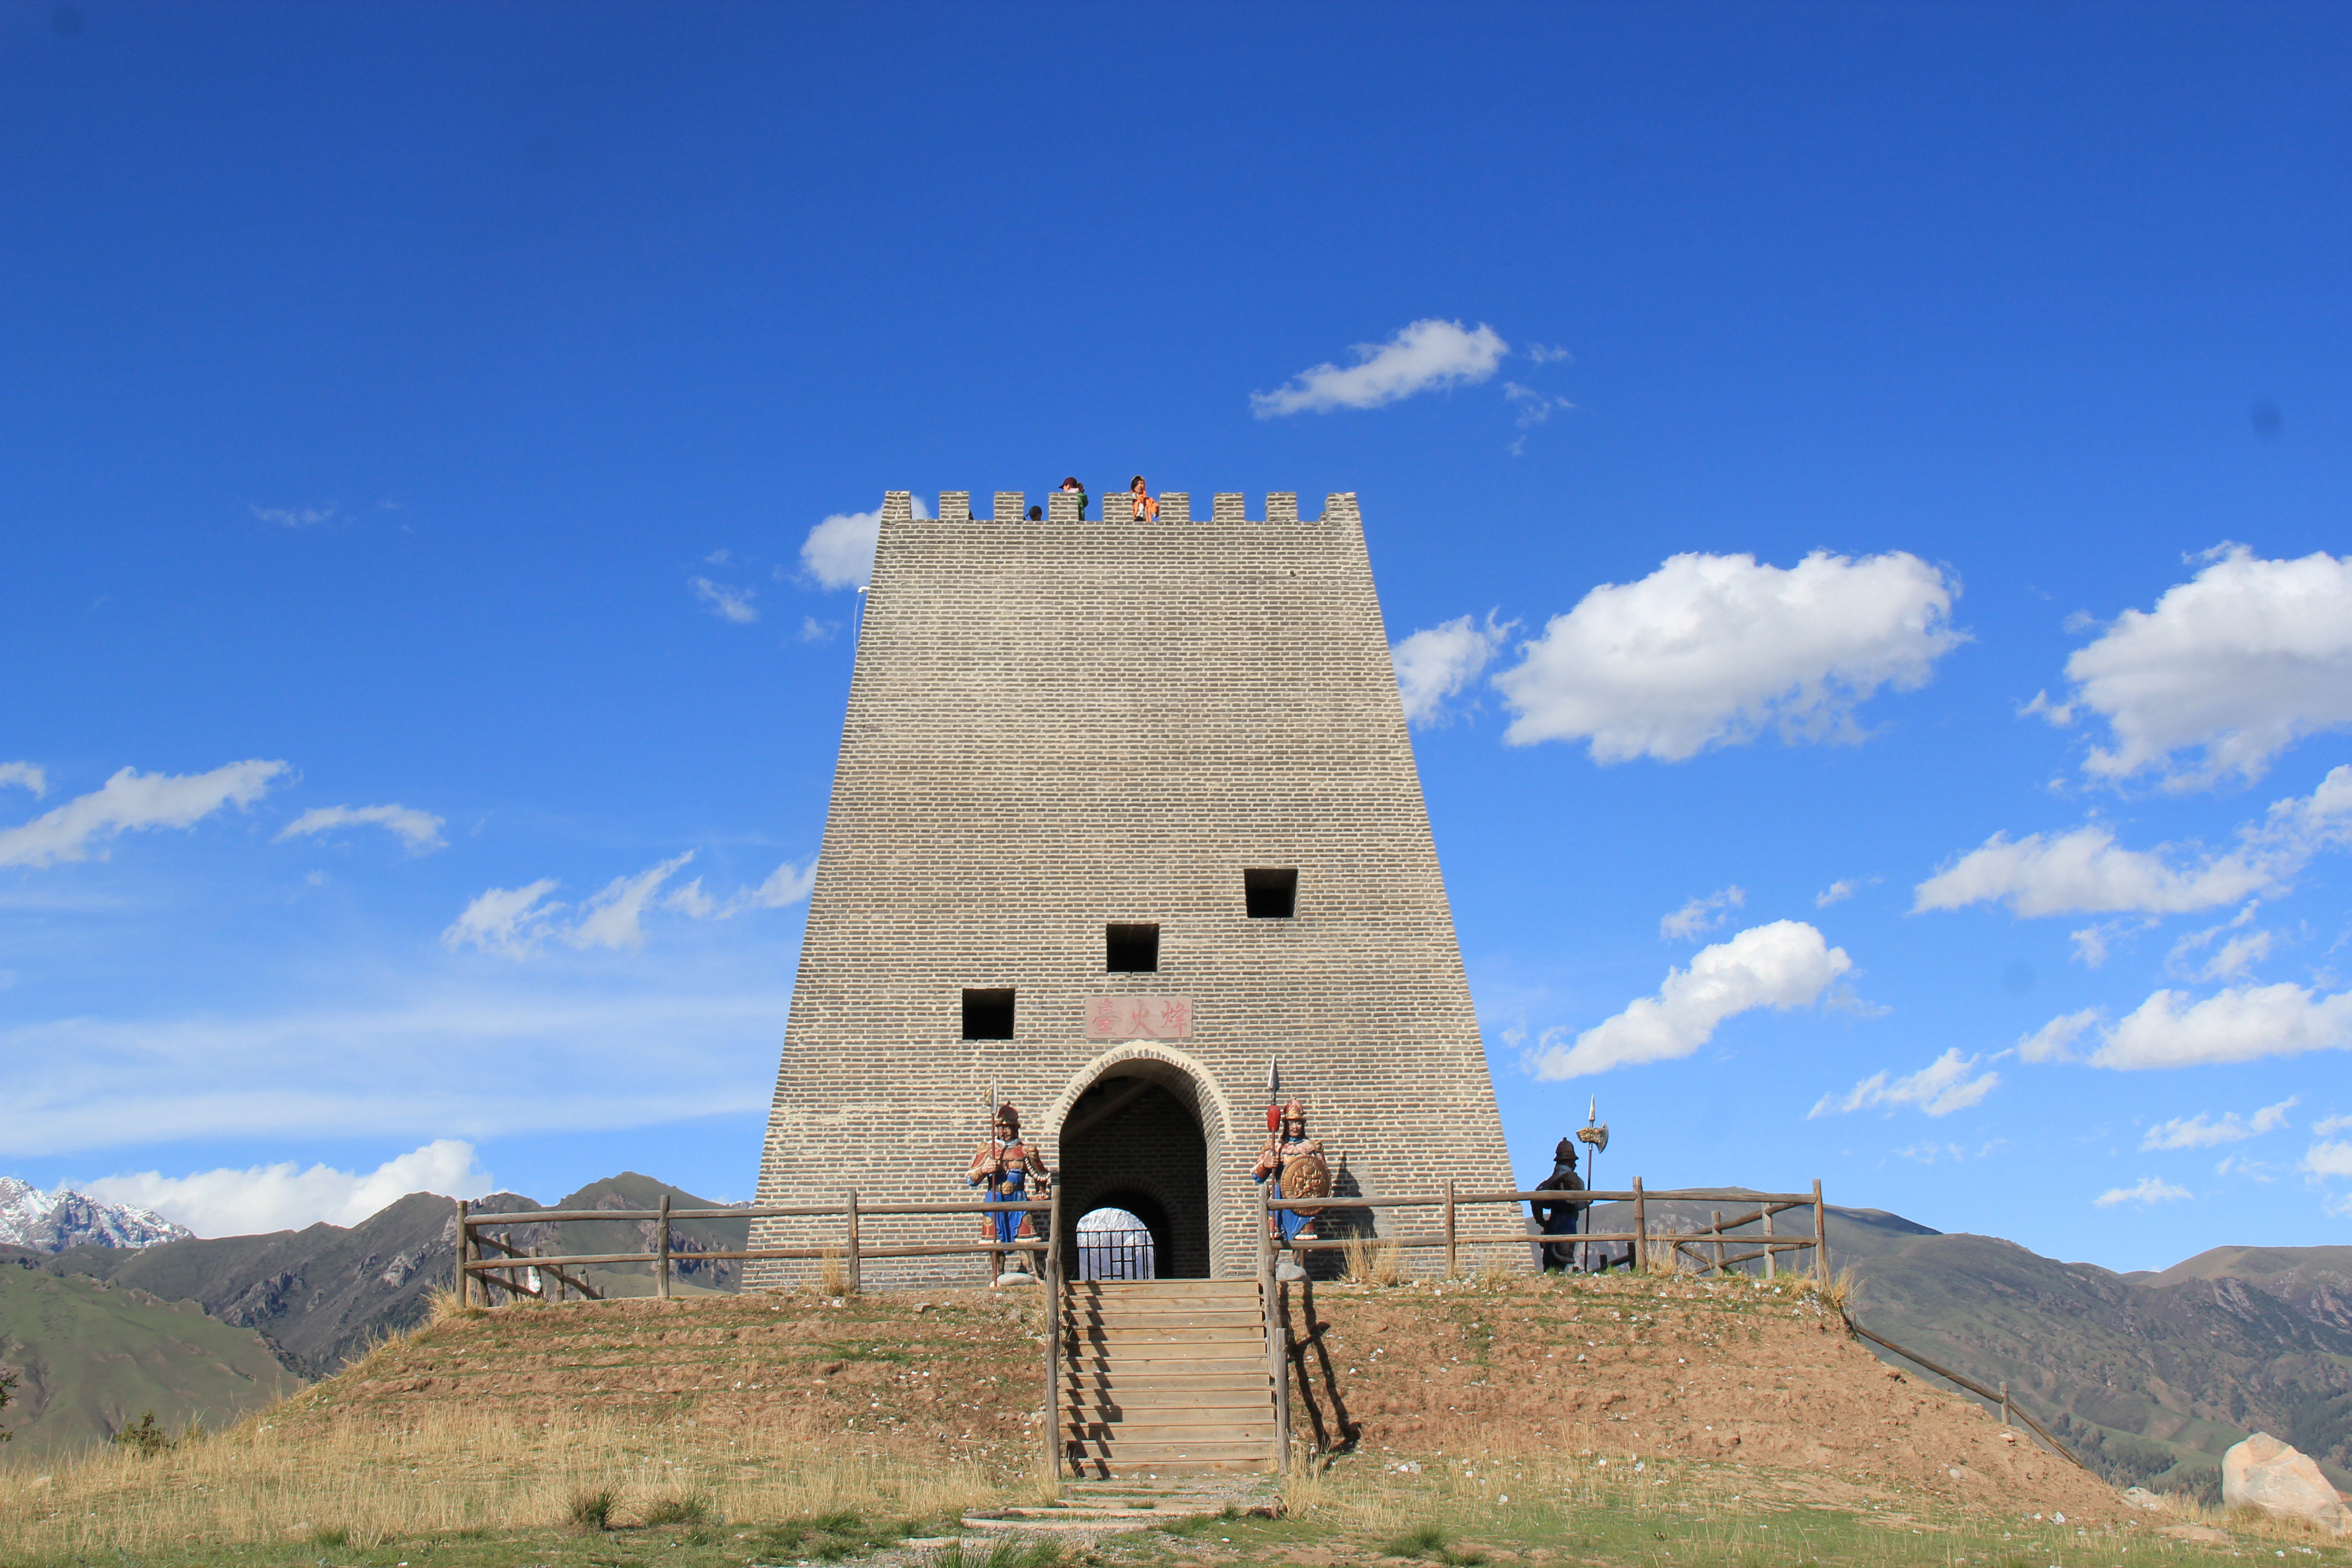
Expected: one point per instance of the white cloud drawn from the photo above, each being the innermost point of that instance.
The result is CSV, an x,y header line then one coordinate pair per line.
x,y
2240,1024
515,923
286,1197
612,916
839,552
1836,892
2084,871
1434,664
2148,1191
25,775
2328,1159
787,884
1781,965
1710,650
2327,1124
730,604
572,1043
1545,353
2202,1131
508,921
1940,1087
1534,406
1701,914
420,830
814,630
719,558
2054,1041
1427,354
132,801
294,516
2239,662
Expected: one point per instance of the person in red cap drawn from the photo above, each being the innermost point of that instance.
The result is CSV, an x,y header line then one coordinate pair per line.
x,y
1002,1168
1295,1164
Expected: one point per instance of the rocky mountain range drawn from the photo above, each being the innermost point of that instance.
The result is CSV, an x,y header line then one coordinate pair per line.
x,y
310,1300
51,1222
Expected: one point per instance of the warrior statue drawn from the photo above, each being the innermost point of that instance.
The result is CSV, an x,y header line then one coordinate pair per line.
x,y
1561,1219
1002,1168
1294,1161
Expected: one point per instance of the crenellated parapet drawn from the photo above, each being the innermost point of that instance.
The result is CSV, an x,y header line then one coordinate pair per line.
x,y
1175,509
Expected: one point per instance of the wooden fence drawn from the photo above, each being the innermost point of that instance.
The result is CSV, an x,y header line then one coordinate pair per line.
x,y
1767,1242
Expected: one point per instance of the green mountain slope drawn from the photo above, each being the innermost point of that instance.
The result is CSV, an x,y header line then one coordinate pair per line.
x,y
321,1295
2148,1377
94,1357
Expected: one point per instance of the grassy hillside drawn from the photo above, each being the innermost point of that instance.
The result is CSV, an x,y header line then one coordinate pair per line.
x,y
94,1357
2149,1377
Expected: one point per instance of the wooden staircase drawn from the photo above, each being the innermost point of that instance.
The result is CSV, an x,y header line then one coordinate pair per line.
x,y
1166,1377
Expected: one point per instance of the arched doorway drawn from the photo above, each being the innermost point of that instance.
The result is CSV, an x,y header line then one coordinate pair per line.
x,y
1130,1142
1116,1244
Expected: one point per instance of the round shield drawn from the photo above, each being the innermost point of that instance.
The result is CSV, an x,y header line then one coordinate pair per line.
x,y
1306,1177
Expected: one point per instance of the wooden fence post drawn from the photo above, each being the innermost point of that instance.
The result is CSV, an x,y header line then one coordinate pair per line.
x,y
1821,1239
506,1281
1715,1219
1277,1357
1055,1423
1450,1265
2004,1402
661,1269
1640,1229
849,1211
464,1241
1771,1253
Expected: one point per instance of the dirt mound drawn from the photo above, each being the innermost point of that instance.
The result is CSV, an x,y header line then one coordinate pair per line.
x,y
1624,1368
958,1373
1620,1369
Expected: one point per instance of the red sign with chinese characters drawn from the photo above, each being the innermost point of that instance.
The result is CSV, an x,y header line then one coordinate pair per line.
x,y
1138,1019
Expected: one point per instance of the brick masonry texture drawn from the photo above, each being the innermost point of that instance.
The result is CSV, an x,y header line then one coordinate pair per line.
x,y
1057,726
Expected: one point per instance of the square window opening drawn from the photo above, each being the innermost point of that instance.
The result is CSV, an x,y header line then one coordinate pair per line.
x,y
1131,949
1271,894
988,1014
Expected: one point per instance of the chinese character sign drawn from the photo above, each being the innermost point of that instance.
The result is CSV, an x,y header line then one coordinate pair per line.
x,y
1138,1019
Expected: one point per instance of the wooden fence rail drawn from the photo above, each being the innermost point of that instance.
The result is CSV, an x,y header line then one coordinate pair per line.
x,y
509,1271
1449,1203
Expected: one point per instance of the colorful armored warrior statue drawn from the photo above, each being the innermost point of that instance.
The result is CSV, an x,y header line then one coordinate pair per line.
x,y
1561,1219
1296,1164
1002,1168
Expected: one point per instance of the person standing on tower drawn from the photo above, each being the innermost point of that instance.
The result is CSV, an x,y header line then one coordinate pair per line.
x,y
1002,1168
1072,484
1561,1219
1295,1164
1147,509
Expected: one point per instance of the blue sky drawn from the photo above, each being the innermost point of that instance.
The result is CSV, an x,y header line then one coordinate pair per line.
x,y
431,408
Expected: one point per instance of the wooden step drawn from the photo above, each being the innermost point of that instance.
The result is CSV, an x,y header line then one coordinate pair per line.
x,y
1127,1454
1176,1432
1163,1400
1246,1320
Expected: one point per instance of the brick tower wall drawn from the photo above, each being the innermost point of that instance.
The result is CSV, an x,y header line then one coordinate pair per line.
x,y
1059,725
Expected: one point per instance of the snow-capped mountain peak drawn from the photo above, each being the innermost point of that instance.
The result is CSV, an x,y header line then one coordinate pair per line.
x,y
51,1222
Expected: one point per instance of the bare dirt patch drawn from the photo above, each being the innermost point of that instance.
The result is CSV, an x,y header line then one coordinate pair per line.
x,y
1624,1368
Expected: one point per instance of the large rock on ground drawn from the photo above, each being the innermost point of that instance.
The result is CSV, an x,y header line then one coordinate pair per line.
x,y
2264,1473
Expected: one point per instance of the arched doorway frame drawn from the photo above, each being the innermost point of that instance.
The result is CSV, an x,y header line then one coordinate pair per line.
x,y
1184,1075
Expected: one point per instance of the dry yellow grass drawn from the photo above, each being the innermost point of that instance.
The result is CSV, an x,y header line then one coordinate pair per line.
x,y
1371,1261
276,1479
833,1272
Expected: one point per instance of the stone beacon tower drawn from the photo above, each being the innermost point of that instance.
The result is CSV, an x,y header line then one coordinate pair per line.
x,y
1125,814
